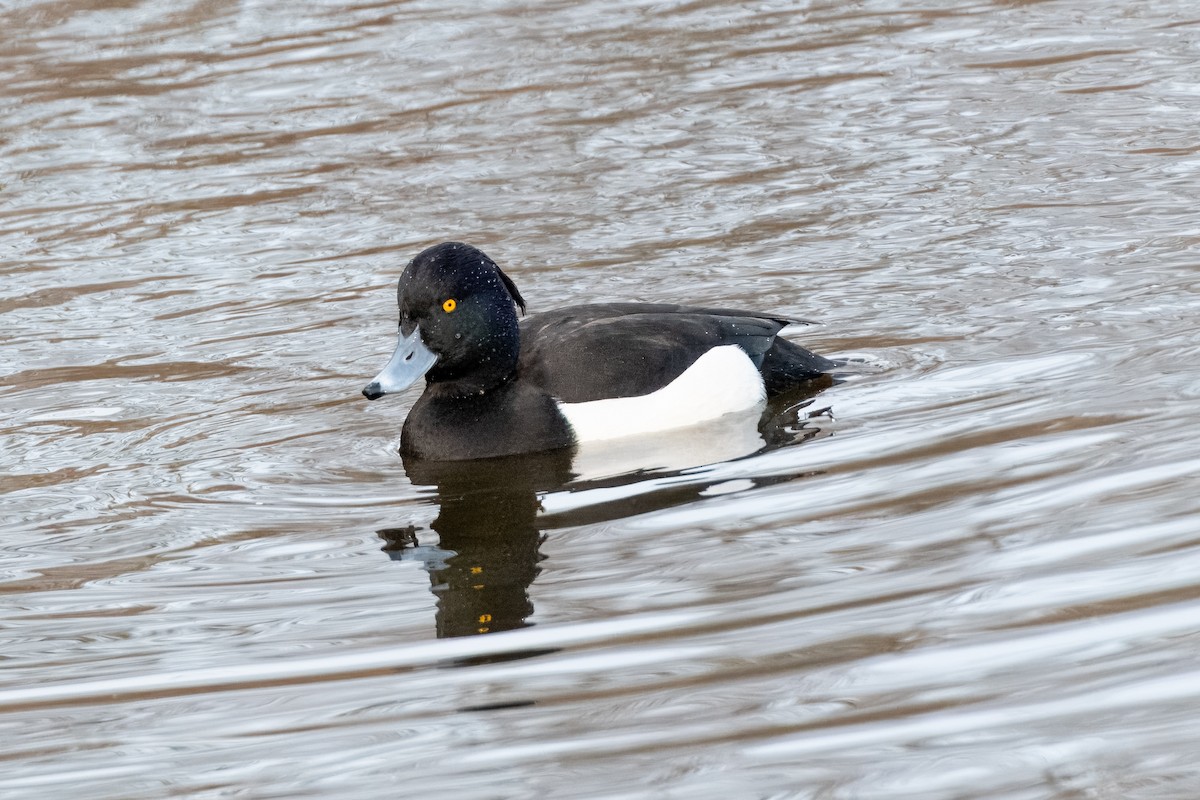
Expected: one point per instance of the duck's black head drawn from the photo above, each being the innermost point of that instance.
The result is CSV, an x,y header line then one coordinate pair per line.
x,y
458,324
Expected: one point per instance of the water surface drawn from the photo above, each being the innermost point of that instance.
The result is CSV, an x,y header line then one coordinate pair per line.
x,y
970,570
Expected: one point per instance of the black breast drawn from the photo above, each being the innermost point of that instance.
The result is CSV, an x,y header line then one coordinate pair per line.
x,y
511,419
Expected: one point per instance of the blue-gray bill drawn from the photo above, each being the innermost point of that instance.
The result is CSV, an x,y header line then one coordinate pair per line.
x,y
409,364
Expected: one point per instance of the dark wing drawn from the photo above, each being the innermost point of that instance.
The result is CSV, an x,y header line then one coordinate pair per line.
x,y
628,349
590,313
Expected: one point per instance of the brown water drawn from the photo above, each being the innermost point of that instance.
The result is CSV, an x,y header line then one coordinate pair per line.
x,y
972,570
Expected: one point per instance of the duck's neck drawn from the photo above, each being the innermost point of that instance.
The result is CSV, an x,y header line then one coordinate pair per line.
x,y
473,385
490,365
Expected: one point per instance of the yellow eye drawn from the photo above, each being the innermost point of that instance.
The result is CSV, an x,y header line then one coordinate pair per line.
x,y
449,305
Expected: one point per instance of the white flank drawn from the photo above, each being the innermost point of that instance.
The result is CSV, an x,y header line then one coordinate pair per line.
x,y
728,437
722,381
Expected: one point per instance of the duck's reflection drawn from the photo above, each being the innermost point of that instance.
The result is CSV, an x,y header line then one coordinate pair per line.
x,y
488,537
490,525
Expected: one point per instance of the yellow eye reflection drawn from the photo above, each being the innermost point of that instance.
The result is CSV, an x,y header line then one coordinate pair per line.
x,y
449,305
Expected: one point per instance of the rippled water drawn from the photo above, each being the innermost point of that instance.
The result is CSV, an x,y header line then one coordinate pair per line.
x,y
970,570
